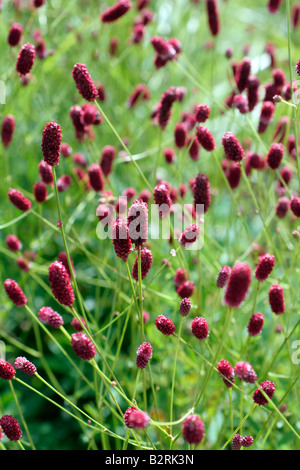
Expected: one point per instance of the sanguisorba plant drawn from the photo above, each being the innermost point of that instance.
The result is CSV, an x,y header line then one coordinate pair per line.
x,y
150,232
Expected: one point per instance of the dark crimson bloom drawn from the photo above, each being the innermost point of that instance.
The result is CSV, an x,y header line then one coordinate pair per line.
x,y
227,372
252,92
276,299
51,141
25,366
83,346
213,16
7,129
266,116
136,419
236,443
89,114
180,277
19,200
245,371
185,307
7,371
63,259
185,289
200,328
281,129
180,134
84,82
232,148
23,263
143,355
274,5
255,324
189,235
247,441
164,325
13,243
241,103
138,33
169,155
140,92
60,284
121,240
138,222
38,3
295,206
45,172
264,267
25,59
95,177
40,191
142,4
223,276
205,138
48,316
275,155
15,34
202,112
77,325
193,429
161,46
116,11
165,105
233,175
296,15
238,285
65,150
107,157
269,389
162,199
201,191
15,292
146,262
242,74
11,428
63,183
193,147
278,77
282,207
81,130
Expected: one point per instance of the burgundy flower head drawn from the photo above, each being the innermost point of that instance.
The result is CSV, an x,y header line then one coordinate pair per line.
x,y
266,116
255,324
25,59
282,207
15,293
95,177
164,325
146,262
213,16
205,138
51,141
245,371
238,285
138,222
121,240
25,366
201,191
116,11
274,5
269,389
7,129
13,243
243,73
193,429
7,371
40,191
136,419
275,155
252,92
276,299
223,276
265,267
202,112
77,325
19,200
232,148
45,172
200,328
84,82
107,157
162,199
295,206
11,428
236,442
189,235
15,34
143,355
50,317
247,441
226,371
185,307
185,289
60,284
83,346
